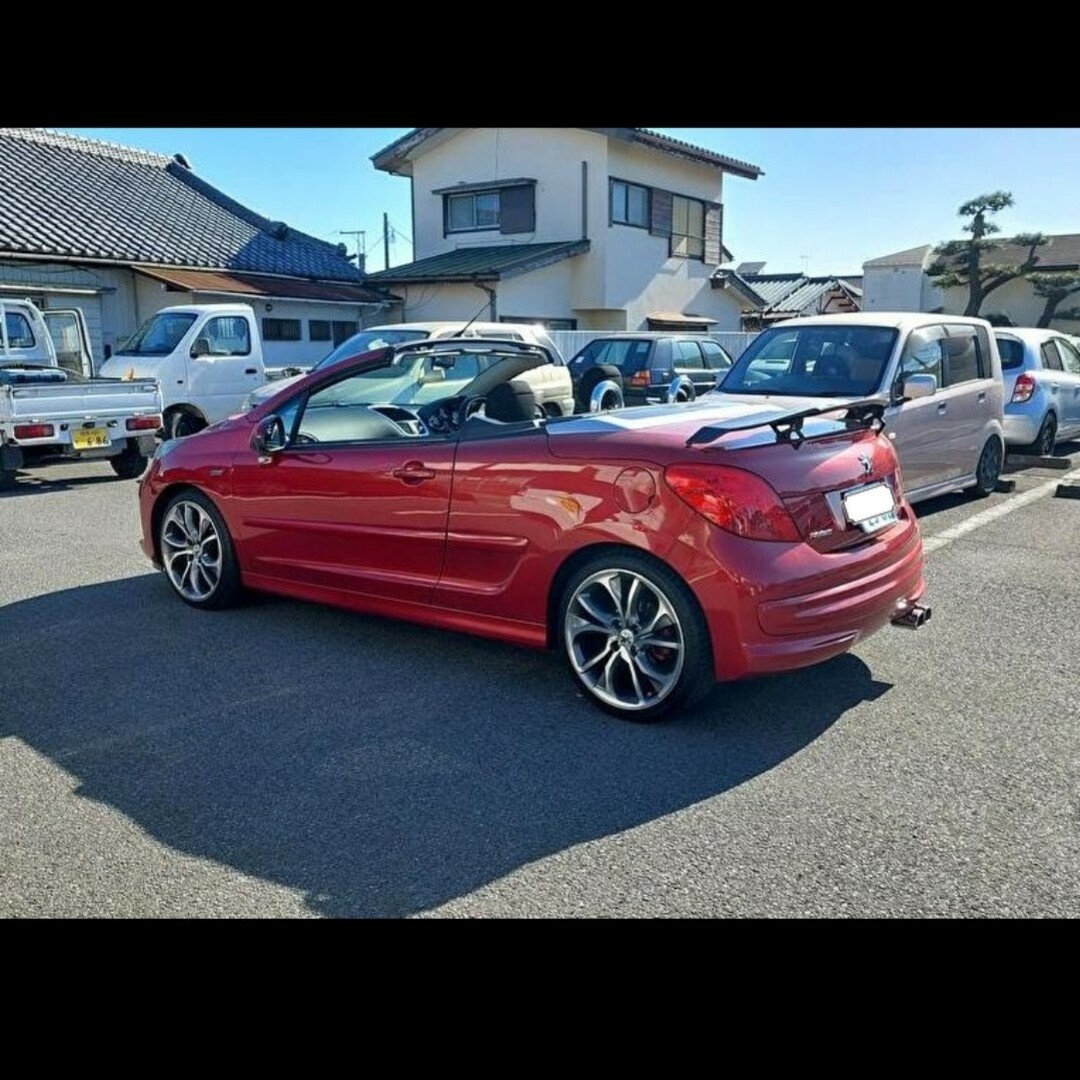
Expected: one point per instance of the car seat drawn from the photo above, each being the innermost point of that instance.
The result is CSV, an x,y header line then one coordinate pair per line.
x,y
512,403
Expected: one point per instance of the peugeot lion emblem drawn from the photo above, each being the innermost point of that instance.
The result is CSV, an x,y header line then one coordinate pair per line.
x,y
867,464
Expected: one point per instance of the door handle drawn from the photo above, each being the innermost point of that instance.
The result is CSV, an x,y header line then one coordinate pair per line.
x,y
942,406
413,472
251,371
982,395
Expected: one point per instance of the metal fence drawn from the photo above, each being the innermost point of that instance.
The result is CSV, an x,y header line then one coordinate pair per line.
x,y
570,342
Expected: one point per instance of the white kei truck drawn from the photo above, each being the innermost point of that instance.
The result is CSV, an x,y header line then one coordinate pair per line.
x,y
207,358
52,412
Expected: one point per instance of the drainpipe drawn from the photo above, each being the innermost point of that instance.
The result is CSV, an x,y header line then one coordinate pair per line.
x,y
584,200
491,298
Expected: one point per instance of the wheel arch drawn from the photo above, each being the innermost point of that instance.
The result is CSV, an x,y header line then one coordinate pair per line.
x,y
182,407
165,496
579,557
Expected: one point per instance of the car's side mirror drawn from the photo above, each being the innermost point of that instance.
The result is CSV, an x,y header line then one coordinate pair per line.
x,y
269,436
201,347
918,386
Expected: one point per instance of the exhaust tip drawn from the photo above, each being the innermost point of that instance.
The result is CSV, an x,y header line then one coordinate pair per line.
x,y
915,617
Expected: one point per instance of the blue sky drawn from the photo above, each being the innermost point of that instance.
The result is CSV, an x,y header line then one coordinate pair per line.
x,y
830,198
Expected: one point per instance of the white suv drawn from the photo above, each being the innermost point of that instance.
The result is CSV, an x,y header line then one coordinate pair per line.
x,y
551,384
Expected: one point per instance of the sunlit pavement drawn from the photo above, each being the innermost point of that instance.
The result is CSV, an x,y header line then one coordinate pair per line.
x,y
287,760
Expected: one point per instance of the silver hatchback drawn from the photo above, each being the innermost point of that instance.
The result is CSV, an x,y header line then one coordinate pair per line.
x,y
1041,371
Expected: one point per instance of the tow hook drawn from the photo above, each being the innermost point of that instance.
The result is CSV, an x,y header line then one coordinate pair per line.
x,y
913,618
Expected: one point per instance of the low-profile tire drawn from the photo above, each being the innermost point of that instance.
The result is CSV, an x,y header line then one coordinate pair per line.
x,y
197,553
634,637
181,423
988,470
129,464
1046,440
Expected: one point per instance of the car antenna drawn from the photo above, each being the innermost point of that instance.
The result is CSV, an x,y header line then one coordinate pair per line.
x,y
473,319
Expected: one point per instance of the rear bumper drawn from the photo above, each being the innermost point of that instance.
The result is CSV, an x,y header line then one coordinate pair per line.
x,y
1022,425
776,607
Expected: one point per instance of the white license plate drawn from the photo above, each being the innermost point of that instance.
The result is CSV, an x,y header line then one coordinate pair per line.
x,y
871,508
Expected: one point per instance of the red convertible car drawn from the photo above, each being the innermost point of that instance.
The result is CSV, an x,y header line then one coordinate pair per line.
x,y
659,548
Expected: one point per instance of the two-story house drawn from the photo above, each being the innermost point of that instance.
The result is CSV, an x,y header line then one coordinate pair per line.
x,y
579,228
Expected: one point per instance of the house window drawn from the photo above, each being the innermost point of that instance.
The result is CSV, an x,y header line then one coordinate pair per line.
x,y
318,330
281,329
472,212
687,228
343,331
629,204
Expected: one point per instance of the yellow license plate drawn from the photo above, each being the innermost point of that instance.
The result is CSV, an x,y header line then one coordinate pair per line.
x,y
89,438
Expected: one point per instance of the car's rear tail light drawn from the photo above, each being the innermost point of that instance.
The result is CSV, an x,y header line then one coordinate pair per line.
x,y
34,431
640,378
1024,388
144,423
736,500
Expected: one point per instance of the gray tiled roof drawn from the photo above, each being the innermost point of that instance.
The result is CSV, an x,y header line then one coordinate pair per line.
x,y
489,263
75,198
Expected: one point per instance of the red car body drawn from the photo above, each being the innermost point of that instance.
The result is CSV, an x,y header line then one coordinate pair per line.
x,y
479,533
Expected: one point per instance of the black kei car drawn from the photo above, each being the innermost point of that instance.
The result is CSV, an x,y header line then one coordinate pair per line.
x,y
645,367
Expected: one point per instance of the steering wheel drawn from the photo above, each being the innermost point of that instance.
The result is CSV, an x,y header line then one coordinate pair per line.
x,y
469,405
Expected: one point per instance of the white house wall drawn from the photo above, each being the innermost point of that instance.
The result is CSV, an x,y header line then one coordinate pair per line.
x,y
893,288
626,274
551,156
640,277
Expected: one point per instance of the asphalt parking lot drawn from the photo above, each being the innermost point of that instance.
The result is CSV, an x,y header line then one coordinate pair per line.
x,y
288,760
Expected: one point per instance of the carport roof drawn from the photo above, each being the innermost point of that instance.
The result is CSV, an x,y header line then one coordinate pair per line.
x,y
489,263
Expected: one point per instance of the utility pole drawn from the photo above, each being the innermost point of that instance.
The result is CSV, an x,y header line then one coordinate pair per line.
x,y
361,245
386,240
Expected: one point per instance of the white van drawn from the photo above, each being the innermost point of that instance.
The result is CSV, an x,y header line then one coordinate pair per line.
x,y
206,357
551,384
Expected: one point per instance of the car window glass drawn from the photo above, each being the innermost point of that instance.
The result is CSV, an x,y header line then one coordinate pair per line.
x,y
1050,358
687,356
961,356
226,335
19,334
1070,358
715,357
1012,352
922,353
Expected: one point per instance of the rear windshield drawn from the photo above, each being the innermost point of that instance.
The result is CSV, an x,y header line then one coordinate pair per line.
x,y
627,354
836,360
1012,353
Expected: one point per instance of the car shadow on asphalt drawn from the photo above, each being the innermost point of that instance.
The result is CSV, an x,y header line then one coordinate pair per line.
x,y
29,484
381,768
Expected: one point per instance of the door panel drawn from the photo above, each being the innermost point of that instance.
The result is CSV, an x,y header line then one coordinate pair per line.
x,y
67,329
228,372
366,518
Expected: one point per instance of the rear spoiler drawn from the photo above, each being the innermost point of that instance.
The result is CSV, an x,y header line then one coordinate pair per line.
x,y
788,425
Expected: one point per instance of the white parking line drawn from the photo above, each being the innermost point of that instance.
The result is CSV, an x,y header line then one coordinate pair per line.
x,y
1016,502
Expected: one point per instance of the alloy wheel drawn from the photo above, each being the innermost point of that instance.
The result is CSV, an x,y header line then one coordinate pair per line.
x,y
624,639
191,551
